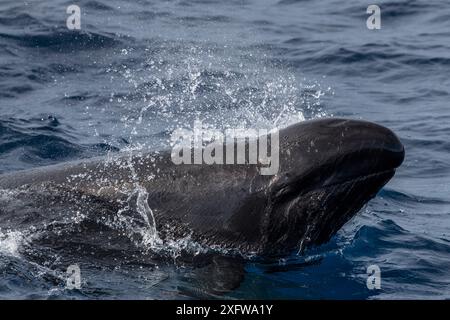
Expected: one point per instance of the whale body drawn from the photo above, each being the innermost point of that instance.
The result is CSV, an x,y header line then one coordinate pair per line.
x,y
328,170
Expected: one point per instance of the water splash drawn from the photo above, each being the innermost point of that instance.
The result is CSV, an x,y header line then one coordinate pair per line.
x,y
158,91
11,242
151,237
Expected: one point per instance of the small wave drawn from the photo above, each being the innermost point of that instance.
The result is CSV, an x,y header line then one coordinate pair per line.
x,y
405,198
402,9
63,40
387,235
34,142
11,19
290,2
39,142
97,5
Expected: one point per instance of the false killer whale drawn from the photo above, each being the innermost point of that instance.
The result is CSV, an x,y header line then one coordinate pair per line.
x,y
328,169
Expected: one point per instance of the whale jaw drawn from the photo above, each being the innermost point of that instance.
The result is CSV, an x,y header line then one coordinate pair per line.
x,y
318,193
315,215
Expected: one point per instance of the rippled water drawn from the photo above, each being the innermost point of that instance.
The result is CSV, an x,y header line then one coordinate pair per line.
x,y
135,71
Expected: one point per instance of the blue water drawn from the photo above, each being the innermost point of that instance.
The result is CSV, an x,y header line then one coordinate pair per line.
x,y
138,69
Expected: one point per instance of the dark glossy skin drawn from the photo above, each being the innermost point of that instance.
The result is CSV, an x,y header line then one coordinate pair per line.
x,y
329,169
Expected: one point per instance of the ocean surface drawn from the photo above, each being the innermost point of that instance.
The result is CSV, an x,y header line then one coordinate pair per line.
x,y
136,70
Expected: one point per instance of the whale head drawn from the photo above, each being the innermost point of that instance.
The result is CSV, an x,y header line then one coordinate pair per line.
x,y
328,169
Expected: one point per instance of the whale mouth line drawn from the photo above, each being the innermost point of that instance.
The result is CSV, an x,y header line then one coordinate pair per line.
x,y
298,189
376,174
